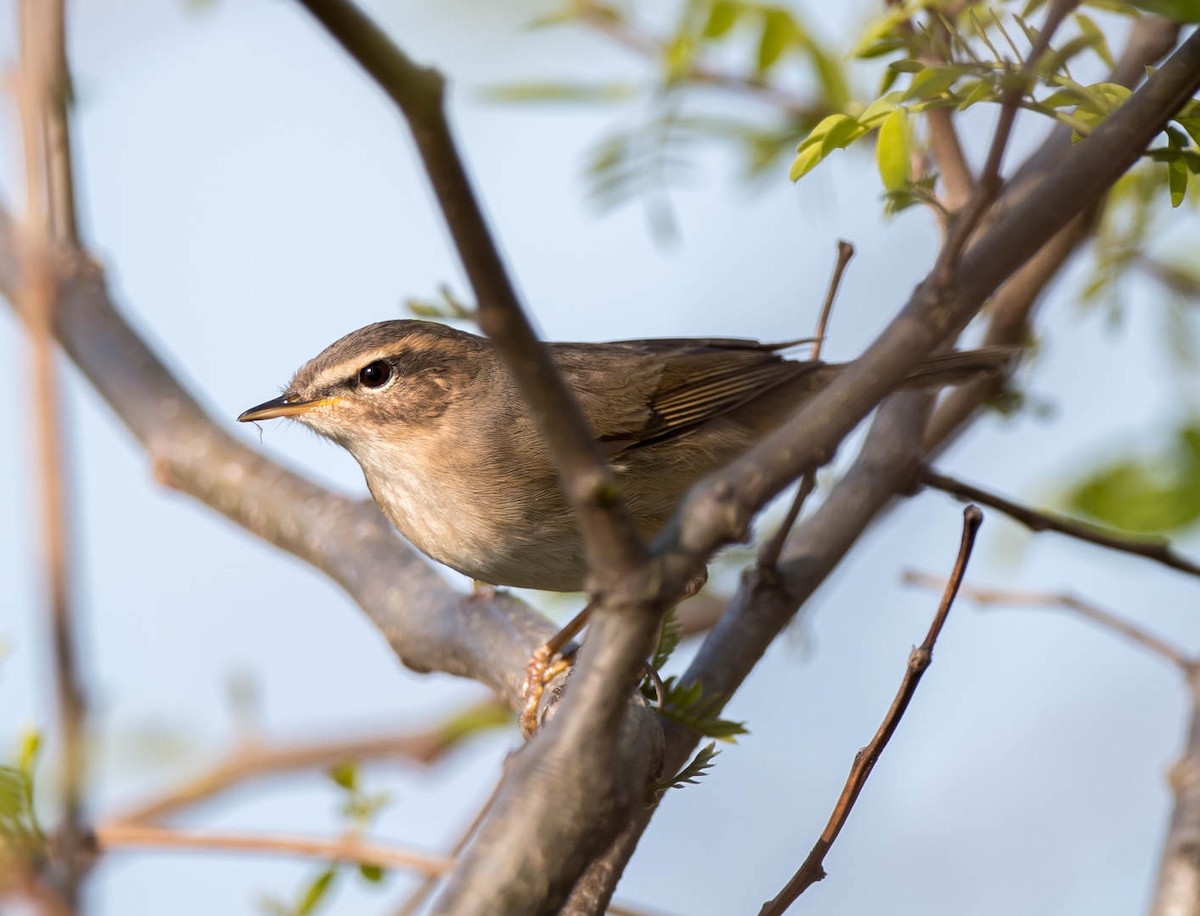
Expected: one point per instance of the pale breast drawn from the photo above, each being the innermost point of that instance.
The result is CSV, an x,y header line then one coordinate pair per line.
x,y
456,504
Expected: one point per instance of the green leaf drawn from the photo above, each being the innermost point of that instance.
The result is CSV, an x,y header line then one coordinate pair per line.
x,y
893,151
1179,10
1177,180
669,637
372,873
722,17
1147,494
933,82
1096,38
779,31
473,720
1192,125
315,892
687,705
834,132
574,93
345,774
690,775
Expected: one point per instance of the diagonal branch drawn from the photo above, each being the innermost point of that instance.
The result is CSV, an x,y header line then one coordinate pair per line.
x,y
884,469
1158,550
255,759
812,869
429,625
611,541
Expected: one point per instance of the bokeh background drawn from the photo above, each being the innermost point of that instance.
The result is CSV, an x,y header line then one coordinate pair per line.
x,y
254,197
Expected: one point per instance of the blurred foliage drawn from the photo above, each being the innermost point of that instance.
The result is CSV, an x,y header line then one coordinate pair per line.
x,y
764,53
925,55
358,808
21,836
1146,494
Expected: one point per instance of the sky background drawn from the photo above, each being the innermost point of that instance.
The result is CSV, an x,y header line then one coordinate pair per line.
x,y
254,198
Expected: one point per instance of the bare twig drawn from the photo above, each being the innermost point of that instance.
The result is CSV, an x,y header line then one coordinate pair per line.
x,y
988,186
255,759
812,869
110,837
38,112
1177,888
57,125
769,555
1157,549
1067,602
421,893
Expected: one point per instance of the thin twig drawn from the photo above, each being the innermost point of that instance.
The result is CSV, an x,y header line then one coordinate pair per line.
x,y
652,47
418,897
1159,550
988,186
37,81
112,836
769,556
812,870
1064,601
255,760
57,125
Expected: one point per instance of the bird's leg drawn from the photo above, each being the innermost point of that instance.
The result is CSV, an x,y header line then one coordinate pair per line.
x,y
545,665
548,662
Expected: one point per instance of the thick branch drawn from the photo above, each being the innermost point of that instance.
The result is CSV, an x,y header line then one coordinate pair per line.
x,y
719,509
764,606
429,625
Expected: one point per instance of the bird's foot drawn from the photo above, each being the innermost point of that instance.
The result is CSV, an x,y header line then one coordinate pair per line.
x,y
543,667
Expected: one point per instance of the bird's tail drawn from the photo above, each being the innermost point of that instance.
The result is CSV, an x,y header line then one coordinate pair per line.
x,y
958,366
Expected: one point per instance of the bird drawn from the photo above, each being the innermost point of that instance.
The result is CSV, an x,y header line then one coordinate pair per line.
x,y
452,455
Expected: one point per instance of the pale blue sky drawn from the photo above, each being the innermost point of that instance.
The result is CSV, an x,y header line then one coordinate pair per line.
x,y
255,198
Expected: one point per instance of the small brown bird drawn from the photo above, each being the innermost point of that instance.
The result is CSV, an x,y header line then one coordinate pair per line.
x,y
452,455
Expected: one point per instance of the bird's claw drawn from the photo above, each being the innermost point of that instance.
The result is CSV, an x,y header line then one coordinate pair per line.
x,y
543,667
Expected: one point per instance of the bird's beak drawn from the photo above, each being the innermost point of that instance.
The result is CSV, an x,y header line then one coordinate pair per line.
x,y
284,406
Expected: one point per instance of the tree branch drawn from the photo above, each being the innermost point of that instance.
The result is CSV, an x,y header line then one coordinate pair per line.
x,y
429,625
812,869
255,759
111,837
1063,601
763,606
38,80
1159,550
718,510
612,544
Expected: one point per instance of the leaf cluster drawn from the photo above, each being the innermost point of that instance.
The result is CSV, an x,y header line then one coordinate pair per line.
x,y
21,836
358,808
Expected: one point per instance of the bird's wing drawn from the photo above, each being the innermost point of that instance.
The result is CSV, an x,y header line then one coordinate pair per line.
x,y
699,381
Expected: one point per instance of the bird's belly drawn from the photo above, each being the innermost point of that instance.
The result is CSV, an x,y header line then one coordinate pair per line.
x,y
485,533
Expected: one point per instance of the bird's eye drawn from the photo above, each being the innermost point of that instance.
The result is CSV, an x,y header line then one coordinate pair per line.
x,y
376,374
